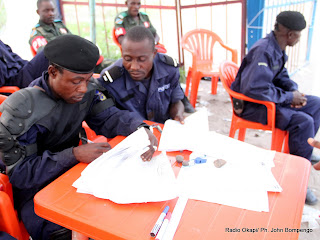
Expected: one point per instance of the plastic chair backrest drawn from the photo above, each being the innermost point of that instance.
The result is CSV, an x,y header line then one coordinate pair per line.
x,y
228,73
9,89
200,43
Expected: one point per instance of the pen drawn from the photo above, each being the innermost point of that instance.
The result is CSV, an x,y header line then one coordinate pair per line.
x,y
158,224
87,140
164,226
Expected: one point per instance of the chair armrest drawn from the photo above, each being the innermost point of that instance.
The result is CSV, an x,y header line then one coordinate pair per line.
x,y
9,89
234,52
271,107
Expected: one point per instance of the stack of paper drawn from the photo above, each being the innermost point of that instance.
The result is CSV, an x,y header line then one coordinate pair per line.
x,y
122,177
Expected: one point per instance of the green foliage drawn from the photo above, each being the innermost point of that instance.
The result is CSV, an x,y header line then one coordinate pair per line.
x,y
182,74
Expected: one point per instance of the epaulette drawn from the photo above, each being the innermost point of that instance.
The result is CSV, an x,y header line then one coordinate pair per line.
x,y
122,15
169,60
143,13
57,20
112,74
37,25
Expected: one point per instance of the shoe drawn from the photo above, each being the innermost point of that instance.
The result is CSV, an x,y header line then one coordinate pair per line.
x,y
188,108
314,159
311,199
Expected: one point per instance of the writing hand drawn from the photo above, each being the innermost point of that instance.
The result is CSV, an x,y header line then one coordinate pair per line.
x,y
88,152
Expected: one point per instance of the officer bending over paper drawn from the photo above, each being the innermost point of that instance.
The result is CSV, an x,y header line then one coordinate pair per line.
x,y
144,81
40,127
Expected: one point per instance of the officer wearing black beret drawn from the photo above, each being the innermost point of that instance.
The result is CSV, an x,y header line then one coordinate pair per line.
x,y
45,120
263,76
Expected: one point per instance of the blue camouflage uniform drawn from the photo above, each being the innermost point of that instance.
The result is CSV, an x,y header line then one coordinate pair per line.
x,y
262,76
37,170
151,102
14,71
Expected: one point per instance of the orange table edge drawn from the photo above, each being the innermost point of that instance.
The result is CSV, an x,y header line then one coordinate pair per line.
x,y
102,219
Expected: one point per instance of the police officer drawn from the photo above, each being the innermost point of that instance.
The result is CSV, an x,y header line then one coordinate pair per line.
x,y
47,28
132,17
145,81
262,76
15,71
40,127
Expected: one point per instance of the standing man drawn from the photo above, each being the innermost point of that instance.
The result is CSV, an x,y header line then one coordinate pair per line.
x,y
15,71
47,28
133,17
262,76
144,81
45,121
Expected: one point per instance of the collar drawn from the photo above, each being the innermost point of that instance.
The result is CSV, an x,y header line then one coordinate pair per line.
x,y
276,46
46,26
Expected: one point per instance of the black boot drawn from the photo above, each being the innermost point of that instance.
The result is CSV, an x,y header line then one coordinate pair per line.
x,y
188,108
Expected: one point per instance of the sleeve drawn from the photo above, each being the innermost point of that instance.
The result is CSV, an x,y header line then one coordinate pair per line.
x,y
119,26
113,121
283,81
177,93
34,171
37,41
259,77
151,27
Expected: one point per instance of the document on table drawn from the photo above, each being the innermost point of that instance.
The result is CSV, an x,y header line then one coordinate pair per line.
x,y
121,176
176,136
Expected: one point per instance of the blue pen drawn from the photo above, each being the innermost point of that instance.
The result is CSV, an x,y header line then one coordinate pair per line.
x,y
159,222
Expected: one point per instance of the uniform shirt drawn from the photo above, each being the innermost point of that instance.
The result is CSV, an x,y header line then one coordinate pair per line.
x,y
43,33
39,169
153,103
123,22
14,71
262,74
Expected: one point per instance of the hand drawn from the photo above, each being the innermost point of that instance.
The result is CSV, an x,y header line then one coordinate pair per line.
x,y
314,143
176,111
88,152
146,156
299,100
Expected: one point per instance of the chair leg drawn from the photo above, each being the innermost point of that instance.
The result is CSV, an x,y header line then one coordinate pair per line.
x,y
242,134
214,84
279,141
195,80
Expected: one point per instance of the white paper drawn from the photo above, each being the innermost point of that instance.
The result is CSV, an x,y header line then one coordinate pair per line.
x,y
121,176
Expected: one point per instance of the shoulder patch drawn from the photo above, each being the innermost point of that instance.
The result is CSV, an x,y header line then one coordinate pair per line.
x,y
169,60
262,64
118,20
112,74
33,32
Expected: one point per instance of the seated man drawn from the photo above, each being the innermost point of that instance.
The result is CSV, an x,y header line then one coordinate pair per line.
x,y
47,28
262,76
132,17
14,71
45,120
145,81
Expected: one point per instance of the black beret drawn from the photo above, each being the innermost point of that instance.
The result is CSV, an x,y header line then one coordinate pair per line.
x,y
73,53
292,20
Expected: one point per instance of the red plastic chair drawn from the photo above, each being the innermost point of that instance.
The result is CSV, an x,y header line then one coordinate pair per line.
x,y
279,142
9,222
200,43
9,89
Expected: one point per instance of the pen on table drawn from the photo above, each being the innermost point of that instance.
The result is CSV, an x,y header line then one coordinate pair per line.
x,y
164,226
158,224
87,140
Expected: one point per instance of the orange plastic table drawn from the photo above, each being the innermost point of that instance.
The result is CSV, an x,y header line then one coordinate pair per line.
x,y
102,219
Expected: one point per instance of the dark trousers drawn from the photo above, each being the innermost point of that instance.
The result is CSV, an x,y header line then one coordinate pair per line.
x,y
302,123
